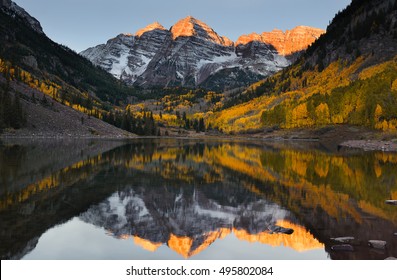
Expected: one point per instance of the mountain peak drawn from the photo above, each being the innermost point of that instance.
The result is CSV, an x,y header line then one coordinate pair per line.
x,y
12,8
190,26
245,39
186,27
150,27
286,43
292,41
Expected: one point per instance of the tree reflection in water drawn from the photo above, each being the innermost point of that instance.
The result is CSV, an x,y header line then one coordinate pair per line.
x,y
188,194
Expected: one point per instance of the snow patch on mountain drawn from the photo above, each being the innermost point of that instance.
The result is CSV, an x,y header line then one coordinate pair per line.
x,y
224,59
121,64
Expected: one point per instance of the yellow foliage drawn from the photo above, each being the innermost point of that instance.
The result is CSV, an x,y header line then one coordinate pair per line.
x,y
383,125
50,182
371,209
372,71
299,117
322,167
390,126
378,169
229,120
386,158
378,112
80,108
338,74
394,85
337,119
299,166
322,114
169,119
393,125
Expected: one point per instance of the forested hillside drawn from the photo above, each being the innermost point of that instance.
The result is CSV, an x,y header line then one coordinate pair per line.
x,y
348,76
29,57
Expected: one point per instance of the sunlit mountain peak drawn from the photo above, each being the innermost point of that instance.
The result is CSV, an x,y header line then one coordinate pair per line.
x,y
190,26
150,27
146,244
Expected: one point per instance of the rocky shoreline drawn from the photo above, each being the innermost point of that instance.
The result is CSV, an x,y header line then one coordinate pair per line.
x,y
371,145
334,138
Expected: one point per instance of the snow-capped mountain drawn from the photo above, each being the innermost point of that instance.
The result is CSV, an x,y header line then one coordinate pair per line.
x,y
127,56
194,216
189,54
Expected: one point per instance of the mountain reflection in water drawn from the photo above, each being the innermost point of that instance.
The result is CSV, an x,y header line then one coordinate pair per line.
x,y
190,195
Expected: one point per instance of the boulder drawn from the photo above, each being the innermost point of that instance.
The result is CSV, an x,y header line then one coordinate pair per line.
x,y
277,229
347,239
377,244
342,248
30,61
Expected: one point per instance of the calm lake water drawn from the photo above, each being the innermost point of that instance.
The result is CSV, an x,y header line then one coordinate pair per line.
x,y
186,199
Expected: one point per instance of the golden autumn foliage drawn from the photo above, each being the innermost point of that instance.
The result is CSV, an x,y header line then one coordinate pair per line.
x,y
53,181
322,114
241,117
312,178
299,117
340,94
394,85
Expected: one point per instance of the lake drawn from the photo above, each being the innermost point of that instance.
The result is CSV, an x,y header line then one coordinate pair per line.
x,y
194,199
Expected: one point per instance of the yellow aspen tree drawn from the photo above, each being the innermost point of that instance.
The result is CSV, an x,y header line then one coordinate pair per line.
x,y
322,114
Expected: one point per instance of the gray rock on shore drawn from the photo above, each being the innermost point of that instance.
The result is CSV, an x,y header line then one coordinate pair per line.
x,y
377,244
346,239
276,229
342,248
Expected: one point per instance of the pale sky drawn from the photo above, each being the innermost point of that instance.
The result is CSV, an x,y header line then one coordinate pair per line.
x,y
80,24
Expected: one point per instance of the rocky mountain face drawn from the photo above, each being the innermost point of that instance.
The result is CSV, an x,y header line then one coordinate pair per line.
x,y
11,8
285,43
192,54
127,56
194,217
366,28
188,56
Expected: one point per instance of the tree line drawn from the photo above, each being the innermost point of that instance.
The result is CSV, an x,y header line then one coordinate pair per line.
x,y
143,125
197,124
